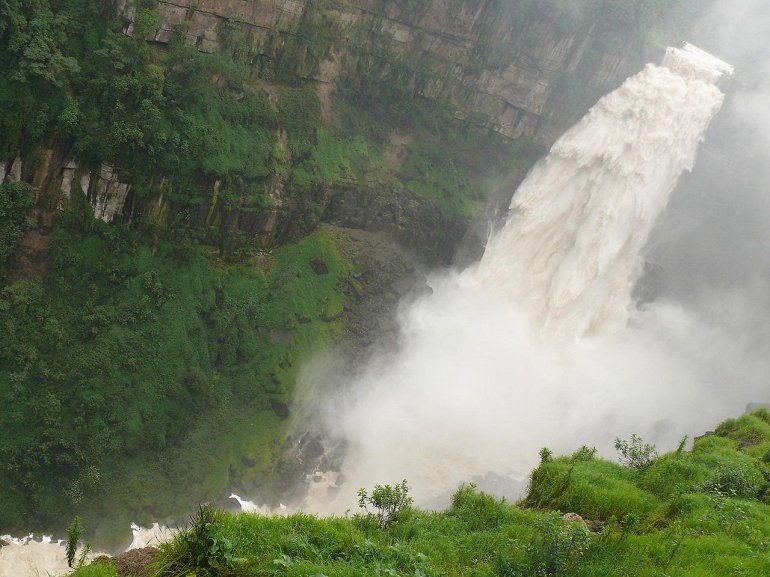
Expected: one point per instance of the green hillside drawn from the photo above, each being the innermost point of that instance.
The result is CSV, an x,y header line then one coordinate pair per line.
x,y
698,513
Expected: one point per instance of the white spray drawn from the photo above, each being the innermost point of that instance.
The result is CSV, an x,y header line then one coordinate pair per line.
x,y
571,250
533,347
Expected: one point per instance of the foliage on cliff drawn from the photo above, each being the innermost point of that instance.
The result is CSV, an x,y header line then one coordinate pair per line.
x,y
199,135
697,513
124,349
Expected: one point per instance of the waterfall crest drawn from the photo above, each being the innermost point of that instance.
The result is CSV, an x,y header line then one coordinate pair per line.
x,y
569,253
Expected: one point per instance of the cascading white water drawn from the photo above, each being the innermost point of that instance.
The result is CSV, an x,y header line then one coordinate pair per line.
x,y
570,251
30,557
472,390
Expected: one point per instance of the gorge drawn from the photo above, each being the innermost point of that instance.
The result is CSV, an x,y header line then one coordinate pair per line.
x,y
407,71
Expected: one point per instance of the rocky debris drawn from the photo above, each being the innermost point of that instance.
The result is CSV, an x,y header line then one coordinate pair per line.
x,y
319,266
573,517
593,525
135,562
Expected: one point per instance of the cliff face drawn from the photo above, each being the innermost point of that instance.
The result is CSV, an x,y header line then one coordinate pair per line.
x,y
523,69
500,63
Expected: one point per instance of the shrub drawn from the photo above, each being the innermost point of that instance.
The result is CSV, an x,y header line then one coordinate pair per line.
x,y
74,533
389,501
559,542
734,481
584,453
198,550
479,510
635,454
628,523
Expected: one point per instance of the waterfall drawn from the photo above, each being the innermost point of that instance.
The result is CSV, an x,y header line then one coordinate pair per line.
x,y
570,251
532,347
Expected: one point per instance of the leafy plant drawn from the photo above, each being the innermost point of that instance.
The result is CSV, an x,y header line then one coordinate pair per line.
x,y
734,481
635,454
389,502
628,523
478,510
198,548
74,534
584,453
558,543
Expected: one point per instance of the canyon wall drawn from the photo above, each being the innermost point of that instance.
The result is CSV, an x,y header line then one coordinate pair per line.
x,y
502,64
524,69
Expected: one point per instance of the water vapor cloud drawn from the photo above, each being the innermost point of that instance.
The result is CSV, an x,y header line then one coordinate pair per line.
x,y
470,394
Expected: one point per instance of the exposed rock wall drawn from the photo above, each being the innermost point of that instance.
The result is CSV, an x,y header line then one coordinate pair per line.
x,y
513,66
501,63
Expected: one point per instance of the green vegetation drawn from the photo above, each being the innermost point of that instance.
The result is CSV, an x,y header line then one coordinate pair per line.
x,y
136,358
635,453
668,518
391,502
15,201
160,351
126,350
200,130
74,533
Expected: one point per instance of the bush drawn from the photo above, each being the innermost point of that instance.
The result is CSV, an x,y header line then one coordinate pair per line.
x,y
74,533
559,542
389,501
734,481
198,550
584,453
636,454
477,509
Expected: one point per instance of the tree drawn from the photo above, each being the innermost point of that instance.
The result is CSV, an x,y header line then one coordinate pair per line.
x,y
15,201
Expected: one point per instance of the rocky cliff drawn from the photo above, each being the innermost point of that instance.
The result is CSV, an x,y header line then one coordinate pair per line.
x,y
500,63
520,70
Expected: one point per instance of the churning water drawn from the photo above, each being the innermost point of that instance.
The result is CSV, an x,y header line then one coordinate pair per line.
x,y
540,344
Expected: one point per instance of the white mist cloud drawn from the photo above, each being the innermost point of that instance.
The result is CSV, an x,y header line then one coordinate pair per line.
x,y
470,391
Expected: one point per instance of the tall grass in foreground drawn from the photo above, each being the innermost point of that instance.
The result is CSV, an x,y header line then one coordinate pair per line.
x,y
700,513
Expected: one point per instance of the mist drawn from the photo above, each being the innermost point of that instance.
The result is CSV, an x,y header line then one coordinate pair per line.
x,y
470,395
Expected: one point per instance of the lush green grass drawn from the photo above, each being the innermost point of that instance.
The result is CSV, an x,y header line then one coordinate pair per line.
x,y
650,529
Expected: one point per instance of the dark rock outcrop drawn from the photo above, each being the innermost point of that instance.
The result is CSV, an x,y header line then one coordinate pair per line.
x,y
135,562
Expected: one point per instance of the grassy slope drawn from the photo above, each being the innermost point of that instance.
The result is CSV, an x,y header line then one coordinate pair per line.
x,y
704,512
